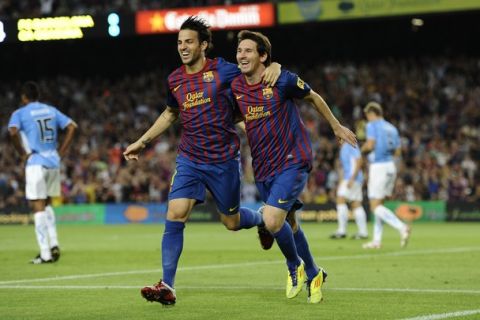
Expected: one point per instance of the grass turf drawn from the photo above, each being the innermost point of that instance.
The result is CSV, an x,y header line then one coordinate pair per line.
x,y
225,275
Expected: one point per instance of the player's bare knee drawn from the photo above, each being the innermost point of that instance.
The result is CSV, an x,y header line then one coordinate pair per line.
x,y
230,222
176,214
273,224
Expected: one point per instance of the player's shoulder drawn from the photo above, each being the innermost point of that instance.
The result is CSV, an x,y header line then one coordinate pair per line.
x,y
238,81
176,75
289,78
220,62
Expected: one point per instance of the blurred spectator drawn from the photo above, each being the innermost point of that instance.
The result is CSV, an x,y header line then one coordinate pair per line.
x,y
434,102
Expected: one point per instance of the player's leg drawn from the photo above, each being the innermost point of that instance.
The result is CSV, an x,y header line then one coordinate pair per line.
x,y
356,198
295,179
53,190
186,190
223,182
36,193
377,228
386,182
283,192
275,223
342,211
360,220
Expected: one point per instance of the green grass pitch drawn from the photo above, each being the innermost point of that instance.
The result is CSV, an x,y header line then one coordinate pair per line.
x,y
226,275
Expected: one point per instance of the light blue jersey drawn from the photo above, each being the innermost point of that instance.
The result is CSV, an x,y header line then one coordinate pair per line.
x,y
38,124
348,158
386,138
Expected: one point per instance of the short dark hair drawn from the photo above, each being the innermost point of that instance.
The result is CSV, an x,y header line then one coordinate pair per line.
x,y
374,107
263,44
203,29
30,90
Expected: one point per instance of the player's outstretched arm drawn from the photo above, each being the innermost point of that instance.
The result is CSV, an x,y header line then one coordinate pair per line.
x,y
67,141
271,74
342,133
163,122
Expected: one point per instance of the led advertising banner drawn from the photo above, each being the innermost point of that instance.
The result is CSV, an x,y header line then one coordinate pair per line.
x,y
328,10
75,27
219,17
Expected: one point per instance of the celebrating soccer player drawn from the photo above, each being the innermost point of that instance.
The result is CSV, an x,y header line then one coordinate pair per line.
x,y
281,153
208,154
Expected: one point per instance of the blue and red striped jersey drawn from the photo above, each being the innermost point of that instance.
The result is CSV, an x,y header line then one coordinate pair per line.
x,y
205,103
276,133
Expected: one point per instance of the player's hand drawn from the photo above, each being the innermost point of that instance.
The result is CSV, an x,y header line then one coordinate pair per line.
x,y
132,151
344,134
271,74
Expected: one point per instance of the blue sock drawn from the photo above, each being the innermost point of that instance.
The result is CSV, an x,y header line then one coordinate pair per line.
x,y
304,252
249,218
286,243
172,245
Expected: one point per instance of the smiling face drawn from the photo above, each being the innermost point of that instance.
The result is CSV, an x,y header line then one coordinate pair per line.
x,y
248,58
190,49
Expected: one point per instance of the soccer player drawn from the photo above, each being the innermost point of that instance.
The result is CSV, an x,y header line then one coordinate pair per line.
x,y
350,190
383,145
33,129
208,154
281,153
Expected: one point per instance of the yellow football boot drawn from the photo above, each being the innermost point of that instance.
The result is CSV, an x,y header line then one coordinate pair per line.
x,y
314,287
295,281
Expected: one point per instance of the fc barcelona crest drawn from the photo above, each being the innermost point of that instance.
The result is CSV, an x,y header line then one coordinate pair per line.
x,y
208,76
267,93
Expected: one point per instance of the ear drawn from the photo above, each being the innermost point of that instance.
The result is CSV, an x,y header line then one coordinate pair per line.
x,y
204,45
263,57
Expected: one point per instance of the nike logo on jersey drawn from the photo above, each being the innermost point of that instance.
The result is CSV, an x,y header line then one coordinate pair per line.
x,y
176,88
233,209
282,201
238,97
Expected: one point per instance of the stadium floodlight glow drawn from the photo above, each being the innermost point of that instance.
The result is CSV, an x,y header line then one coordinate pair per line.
x,y
3,35
113,24
417,22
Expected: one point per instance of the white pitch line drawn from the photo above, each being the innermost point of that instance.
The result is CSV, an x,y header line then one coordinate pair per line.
x,y
98,287
445,315
247,264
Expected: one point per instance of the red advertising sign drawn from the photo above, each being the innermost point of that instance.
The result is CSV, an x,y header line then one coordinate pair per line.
x,y
219,17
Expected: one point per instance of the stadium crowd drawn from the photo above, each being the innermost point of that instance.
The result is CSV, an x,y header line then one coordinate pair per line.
x,y
435,103
39,8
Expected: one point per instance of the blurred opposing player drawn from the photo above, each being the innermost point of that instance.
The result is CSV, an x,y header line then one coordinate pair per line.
x,y
38,123
383,144
350,190
281,153
208,154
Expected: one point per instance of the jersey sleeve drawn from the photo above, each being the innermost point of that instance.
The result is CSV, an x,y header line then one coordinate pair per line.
x,y
15,120
295,87
370,132
62,119
171,100
228,71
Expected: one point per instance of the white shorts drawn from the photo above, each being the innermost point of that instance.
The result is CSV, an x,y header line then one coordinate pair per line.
x,y
381,180
41,182
351,194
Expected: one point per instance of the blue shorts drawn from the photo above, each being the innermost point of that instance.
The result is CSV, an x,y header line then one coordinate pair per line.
x,y
282,190
191,180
